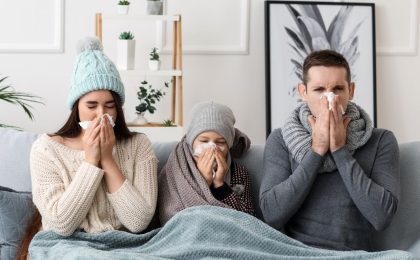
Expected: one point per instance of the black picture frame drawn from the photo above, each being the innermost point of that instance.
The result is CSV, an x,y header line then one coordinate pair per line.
x,y
285,20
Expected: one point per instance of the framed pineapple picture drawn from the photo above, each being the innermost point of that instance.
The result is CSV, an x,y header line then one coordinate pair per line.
x,y
294,29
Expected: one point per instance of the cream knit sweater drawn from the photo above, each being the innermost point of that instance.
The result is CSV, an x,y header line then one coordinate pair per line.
x,y
71,193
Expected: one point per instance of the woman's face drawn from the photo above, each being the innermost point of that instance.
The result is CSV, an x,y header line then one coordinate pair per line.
x,y
214,137
96,103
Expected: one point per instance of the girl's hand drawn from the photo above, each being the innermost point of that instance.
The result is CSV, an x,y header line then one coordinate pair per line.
x,y
222,169
205,165
91,142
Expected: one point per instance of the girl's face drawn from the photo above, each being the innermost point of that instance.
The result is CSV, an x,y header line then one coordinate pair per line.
x,y
214,137
95,104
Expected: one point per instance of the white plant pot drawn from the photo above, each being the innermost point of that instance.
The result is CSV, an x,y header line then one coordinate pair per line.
x,y
154,7
123,9
154,64
140,119
126,50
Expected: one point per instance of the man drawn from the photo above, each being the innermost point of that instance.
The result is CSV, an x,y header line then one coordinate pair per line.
x,y
330,179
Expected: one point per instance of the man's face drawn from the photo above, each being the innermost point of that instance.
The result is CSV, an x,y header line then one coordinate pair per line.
x,y
326,79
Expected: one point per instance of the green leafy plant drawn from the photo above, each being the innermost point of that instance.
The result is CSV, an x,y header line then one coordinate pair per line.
x,y
123,2
168,123
8,94
148,97
154,55
126,36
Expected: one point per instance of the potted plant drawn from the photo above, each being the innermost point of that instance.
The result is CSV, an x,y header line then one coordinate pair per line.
x,y
154,59
123,6
154,7
148,97
8,94
126,49
168,123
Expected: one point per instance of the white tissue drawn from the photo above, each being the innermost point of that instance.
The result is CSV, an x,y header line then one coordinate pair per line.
x,y
85,124
330,96
204,146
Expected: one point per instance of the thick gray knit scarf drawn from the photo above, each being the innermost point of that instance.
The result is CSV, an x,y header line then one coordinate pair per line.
x,y
297,133
180,182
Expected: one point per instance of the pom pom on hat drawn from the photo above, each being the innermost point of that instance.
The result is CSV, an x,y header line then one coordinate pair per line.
x,y
89,43
92,71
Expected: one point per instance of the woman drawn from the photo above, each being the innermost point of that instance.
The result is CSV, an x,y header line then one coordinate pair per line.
x,y
200,171
100,178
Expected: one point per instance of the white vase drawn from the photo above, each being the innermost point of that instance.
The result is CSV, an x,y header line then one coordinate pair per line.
x,y
123,9
154,7
154,64
126,50
140,119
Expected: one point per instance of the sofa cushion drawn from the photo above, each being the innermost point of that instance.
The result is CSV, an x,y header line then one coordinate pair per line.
x,y
16,209
162,151
404,230
14,157
253,161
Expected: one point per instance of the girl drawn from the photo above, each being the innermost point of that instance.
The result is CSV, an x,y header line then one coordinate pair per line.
x,y
200,171
100,178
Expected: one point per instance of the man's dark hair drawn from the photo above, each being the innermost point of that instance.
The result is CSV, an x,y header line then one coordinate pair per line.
x,y
327,58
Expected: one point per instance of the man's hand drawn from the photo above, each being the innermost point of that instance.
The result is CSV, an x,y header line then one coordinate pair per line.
x,y
338,126
321,129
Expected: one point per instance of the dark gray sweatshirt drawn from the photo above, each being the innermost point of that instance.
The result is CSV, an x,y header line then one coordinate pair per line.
x,y
337,210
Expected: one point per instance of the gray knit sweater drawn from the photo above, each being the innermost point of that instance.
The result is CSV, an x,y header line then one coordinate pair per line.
x,y
337,210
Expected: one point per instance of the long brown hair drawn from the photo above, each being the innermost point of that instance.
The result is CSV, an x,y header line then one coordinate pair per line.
x,y
30,231
72,129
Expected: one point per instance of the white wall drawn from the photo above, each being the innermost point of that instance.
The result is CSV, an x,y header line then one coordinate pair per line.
x,y
236,80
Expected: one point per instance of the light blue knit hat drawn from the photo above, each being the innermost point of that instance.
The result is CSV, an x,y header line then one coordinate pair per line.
x,y
93,70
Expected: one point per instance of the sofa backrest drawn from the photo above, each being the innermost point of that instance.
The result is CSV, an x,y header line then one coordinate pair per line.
x,y
404,230
15,147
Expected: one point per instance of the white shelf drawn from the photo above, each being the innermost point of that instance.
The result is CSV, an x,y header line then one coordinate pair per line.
x,y
161,134
126,17
151,72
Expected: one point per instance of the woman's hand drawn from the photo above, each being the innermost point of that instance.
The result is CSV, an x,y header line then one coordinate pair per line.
x,y
107,141
91,142
222,168
205,165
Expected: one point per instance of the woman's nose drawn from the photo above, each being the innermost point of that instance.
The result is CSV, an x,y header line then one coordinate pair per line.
x,y
100,111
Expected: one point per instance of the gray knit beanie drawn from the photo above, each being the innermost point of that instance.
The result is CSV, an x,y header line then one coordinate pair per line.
x,y
210,116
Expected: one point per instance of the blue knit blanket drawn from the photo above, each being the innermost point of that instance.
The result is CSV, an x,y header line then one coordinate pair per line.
x,y
198,232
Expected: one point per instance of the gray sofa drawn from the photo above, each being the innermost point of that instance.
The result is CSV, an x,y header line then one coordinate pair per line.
x,y
403,233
